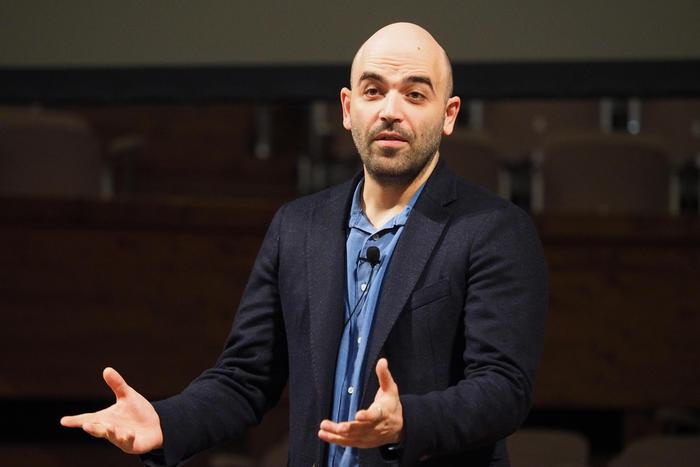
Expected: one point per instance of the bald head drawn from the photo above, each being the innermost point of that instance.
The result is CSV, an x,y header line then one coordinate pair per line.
x,y
405,42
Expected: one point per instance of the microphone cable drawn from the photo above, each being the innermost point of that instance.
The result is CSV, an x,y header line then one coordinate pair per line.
x,y
373,259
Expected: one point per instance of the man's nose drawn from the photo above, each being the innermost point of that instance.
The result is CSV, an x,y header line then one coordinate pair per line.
x,y
391,108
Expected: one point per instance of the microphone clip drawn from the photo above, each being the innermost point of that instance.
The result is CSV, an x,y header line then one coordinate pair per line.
x,y
372,256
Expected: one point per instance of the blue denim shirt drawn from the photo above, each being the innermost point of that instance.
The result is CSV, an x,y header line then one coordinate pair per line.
x,y
363,291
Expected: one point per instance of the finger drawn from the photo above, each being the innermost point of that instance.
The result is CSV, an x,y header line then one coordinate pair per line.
x,y
386,381
360,430
346,441
109,432
127,441
334,438
115,382
123,439
98,430
374,414
76,421
336,428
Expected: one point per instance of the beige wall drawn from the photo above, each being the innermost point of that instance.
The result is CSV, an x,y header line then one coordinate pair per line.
x,y
141,32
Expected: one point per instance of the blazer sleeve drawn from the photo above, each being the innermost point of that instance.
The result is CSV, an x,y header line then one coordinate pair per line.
x,y
504,315
248,377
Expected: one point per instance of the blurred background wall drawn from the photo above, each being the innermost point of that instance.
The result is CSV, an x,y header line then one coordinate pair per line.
x,y
111,33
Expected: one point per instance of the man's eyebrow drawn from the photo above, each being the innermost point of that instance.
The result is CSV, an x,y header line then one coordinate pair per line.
x,y
368,75
371,76
421,79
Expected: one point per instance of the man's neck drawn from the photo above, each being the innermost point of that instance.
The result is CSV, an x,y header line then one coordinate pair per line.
x,y
381,202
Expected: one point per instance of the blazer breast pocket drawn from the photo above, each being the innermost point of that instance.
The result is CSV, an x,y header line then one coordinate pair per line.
x,y
430,294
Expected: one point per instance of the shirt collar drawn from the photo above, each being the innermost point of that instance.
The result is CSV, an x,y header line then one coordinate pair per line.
x,y
358,219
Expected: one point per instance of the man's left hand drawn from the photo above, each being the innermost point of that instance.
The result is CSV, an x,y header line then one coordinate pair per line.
x,y
381,423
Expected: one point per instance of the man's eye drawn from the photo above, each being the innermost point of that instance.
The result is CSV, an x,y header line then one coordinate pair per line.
x,y
416,96
371,91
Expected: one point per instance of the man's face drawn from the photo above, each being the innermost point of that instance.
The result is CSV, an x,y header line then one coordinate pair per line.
x,y
397,111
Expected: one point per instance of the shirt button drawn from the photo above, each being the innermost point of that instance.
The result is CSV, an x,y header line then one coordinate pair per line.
x,y
351,390
359,340
375,236
363,287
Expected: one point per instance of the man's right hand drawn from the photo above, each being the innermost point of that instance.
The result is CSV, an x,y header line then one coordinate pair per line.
x,y
131,423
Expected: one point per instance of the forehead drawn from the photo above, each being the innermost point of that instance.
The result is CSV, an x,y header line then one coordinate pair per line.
x,y
397,60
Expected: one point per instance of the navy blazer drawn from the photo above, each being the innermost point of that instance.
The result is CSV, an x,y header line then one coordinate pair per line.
x,y
460,320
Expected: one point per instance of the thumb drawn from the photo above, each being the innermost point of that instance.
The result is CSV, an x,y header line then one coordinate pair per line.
x,y
115,382
386,381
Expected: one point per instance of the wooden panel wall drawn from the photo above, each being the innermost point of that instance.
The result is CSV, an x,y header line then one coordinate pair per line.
x,y
624,313
151,289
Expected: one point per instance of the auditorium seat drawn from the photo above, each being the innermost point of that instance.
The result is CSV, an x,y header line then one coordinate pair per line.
x,y
48,153
593,173
520,126
86,454
660,451
551,448
473,156
330,157
677,123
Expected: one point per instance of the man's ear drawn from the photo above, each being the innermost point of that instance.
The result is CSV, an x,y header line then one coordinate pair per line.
x,y
345,95
451,111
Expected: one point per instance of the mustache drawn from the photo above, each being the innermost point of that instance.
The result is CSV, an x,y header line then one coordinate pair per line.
x,y
392,127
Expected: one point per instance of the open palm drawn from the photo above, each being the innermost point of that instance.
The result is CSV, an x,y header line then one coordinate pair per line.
x,y
131,423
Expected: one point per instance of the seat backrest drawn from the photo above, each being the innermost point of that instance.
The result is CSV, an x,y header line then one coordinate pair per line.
x,y
660,451
473,156
677,123
519,127
47,153
551,448
604,174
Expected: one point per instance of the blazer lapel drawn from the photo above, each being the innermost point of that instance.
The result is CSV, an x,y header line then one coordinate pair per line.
x,y
325,254
413,251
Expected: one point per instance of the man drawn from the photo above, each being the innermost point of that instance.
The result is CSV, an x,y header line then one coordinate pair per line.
x,y
405,308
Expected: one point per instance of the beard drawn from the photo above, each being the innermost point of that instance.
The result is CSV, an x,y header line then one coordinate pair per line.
x,y
397,166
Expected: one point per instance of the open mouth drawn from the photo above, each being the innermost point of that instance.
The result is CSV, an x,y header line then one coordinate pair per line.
x,y
390,137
